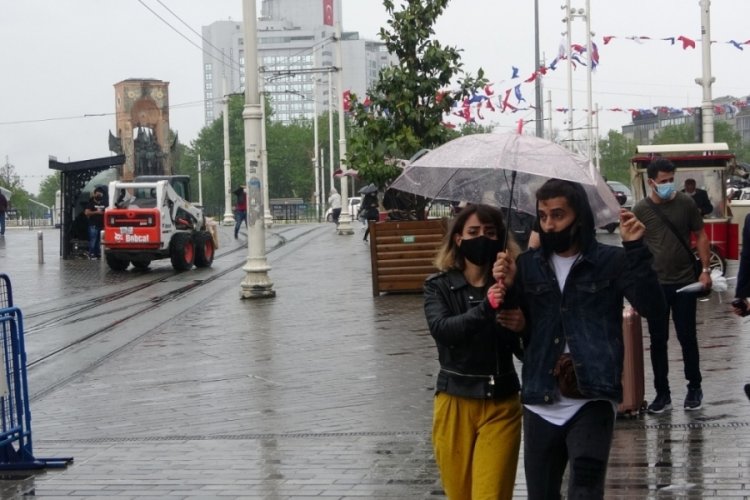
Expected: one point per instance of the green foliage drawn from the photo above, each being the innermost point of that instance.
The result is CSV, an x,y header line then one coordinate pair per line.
x,y
723,132
19,200
289,152
615,153
409,100
48,188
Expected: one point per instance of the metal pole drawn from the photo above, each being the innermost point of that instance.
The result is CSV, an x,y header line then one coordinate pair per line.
x,y
316,159
549,112
538,82
40,246
589,111
256,283
569,42
345,227
330,129
596,136
200,182
267,218
228,215
706,79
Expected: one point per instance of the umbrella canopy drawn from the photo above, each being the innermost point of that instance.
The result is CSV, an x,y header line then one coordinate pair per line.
x,y
478,169
370,188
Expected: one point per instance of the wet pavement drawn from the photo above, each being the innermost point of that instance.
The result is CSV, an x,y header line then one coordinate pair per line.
x,y
173,387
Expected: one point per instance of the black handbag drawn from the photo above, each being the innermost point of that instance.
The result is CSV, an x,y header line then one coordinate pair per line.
x,y
697,264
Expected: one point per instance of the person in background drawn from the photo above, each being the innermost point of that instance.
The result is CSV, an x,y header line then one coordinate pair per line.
x,y
335,201
700,197
368,211
94,212
675,269
571,292
740,305
4,205
476,430
240,209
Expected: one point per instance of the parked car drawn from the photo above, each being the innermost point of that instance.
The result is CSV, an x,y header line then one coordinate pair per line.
x,y
354,202
622,188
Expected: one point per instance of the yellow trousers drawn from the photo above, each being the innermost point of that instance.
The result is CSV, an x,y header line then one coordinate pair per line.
x,y
476,445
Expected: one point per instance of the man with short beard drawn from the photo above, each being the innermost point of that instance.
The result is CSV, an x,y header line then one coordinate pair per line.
x,y
571,292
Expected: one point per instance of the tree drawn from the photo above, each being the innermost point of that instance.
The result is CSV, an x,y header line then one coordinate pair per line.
x,y
48,188
409,100
289,152
616,151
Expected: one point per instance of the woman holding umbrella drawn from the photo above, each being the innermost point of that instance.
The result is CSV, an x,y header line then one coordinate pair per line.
x,y
476,430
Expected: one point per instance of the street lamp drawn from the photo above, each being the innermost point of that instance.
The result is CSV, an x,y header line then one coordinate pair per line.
x,y
228,215
344,227
256,283
706,80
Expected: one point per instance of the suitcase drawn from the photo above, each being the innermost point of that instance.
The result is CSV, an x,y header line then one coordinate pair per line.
x,y
633,385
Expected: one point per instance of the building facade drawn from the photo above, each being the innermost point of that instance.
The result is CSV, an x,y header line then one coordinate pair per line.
x,y
296,52
649,122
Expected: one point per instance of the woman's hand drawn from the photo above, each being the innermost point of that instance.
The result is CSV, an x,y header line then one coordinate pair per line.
x,y
512,319
504,269
496,295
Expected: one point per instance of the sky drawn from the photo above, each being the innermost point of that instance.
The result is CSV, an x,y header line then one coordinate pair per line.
x,y
61,58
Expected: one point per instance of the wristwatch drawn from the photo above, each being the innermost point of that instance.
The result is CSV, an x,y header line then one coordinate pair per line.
x,y
706,270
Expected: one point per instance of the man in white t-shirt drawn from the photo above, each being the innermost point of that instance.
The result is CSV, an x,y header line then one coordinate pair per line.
x,y
571,291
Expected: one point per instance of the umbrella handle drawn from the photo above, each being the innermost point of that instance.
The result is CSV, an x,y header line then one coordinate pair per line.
x,y
510,205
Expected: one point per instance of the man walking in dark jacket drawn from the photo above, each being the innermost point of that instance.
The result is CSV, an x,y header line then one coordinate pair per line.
x,y
571,290
3,209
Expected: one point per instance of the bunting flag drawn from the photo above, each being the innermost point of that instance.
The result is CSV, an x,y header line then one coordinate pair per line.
x,y
686,42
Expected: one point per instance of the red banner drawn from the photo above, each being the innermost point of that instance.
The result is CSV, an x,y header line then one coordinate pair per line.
x,y
328,12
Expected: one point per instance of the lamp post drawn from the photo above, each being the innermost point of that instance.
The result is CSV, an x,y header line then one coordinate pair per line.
x,y
228,215
706,80
256,283
345,227
267,218
539,111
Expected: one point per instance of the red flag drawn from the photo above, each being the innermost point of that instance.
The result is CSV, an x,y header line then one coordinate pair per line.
x,y
607,39
686,42
347,101
328,12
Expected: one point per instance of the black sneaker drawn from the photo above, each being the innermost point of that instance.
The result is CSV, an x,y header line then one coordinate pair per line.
x,y
660,404
694,399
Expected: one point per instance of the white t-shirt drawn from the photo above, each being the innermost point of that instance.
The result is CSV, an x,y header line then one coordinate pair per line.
x,y
563,409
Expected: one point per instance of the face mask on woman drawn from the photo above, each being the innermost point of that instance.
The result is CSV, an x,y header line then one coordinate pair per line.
x,y
481,250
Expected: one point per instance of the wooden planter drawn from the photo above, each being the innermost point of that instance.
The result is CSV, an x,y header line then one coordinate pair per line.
x,y
402,252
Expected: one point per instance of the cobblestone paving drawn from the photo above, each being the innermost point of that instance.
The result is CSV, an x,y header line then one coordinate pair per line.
x,y
326,392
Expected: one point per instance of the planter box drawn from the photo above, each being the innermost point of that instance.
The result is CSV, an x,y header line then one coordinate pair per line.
x,y
402,252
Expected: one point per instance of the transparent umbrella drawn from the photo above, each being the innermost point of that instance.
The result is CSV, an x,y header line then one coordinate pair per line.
x,y
504,170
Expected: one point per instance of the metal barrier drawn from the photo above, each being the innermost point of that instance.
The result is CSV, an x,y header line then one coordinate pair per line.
x,y
16,452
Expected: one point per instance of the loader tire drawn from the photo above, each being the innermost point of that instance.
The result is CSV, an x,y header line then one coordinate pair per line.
x,y
115,263
204,249
141,264
182,252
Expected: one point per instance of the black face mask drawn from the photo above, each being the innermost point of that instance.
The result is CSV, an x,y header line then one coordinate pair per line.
x,y
481,250
560,241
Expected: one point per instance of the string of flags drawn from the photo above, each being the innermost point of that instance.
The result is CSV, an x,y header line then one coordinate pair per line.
x,y
473,107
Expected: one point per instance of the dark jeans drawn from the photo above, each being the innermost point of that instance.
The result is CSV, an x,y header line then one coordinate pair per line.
x,y
239,216
2,222
94,243
682,306
335,213
584,441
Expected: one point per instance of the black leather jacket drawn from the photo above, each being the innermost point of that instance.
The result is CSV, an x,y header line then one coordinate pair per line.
x,y
475,352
